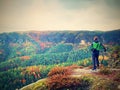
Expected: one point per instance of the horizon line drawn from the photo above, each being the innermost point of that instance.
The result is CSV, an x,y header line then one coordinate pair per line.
x,y
58,30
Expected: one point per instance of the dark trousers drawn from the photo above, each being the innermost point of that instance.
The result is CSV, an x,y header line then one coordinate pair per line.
x,y
95,60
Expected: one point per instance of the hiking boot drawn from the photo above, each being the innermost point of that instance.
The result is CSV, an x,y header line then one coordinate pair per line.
x,y
93,69
98,67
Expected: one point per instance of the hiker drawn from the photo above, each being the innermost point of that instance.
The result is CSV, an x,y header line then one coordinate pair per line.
x,y
96,46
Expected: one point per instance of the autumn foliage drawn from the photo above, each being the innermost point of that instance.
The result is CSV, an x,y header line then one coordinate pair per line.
x,y
31,71
25,58
62,81
60,78
105,71
59,70
117,77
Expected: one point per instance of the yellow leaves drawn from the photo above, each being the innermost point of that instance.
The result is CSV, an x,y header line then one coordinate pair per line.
x,y
105,57
40,85
33,69
85,62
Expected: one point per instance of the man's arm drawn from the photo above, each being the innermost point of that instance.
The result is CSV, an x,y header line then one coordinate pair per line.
x,y
103,47
91,47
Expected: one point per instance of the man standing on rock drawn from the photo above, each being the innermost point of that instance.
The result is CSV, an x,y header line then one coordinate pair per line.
x,y
96,46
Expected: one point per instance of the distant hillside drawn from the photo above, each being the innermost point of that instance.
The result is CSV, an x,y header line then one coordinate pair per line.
x,y
20,44
26,57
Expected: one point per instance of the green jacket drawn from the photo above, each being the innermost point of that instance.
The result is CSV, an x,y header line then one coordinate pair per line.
x,y
97,46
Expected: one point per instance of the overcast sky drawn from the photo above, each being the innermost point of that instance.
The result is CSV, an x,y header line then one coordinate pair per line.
x,y
22,15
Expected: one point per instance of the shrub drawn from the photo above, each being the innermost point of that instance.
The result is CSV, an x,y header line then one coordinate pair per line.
x,y
62,82
104,84
60,79
105,71
59,70
117,77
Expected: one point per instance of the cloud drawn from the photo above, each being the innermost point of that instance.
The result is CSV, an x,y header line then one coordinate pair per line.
x,y
58,15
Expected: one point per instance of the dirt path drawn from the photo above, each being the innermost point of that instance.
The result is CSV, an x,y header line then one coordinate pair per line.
x,y
85,71
79,72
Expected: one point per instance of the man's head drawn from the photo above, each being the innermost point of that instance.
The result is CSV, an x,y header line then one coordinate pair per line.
x,y
96,38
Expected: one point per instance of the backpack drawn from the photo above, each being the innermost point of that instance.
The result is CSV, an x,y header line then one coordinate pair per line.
x,y
96,46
